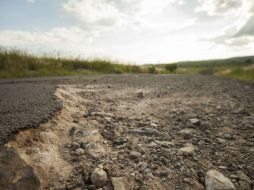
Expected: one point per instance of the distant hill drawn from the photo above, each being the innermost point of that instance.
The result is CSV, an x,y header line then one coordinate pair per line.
x,y
237,67
235,61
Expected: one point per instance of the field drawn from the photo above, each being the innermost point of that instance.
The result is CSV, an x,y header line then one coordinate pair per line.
x,y
241,68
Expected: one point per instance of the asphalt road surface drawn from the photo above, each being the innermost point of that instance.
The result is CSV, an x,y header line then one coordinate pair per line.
x,y
25,103
144,131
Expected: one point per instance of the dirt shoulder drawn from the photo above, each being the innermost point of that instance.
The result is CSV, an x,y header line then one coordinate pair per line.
x,y
143,132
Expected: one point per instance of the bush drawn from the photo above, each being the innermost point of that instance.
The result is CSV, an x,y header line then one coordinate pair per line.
x,y
171,67
135,69
151,70
248,61
207,71
33,66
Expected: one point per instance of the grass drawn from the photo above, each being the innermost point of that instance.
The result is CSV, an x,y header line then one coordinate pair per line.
x,y
21,64
240,68
241,74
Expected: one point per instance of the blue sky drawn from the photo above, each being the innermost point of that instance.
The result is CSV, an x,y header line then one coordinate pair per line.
x,y
140,31
28,15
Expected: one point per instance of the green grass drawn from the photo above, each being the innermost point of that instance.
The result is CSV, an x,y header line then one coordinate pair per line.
x,y
236,72
241,74
21,64
240,68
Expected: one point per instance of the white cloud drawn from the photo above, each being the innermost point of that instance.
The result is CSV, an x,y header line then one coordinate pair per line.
x,y
104,26
93,11
240,41
219,7
247,28
111,13
145,30
74,40
51,37
237,17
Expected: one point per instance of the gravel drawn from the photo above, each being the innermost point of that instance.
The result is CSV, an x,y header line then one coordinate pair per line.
x,y
181,128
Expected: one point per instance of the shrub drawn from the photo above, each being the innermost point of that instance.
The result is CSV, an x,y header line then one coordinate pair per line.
x,y
33,66
207,71
136,69
171,67
248,61
151,70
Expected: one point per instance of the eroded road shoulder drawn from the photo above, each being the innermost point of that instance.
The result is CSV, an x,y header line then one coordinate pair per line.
x,y
112,136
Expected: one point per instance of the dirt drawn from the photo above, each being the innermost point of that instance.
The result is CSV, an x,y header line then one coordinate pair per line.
x,y
146,132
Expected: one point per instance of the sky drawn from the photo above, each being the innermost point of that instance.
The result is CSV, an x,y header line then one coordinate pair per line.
x,y
137,31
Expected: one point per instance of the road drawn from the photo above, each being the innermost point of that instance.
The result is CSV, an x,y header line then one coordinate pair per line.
x,y
143,131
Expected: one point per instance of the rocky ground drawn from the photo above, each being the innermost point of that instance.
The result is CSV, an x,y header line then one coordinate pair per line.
x,y
144,132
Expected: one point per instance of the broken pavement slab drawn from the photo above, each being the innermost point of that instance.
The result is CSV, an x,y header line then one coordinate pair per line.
x,y
15,173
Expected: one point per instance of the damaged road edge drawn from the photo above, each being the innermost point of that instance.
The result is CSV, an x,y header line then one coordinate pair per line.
x,y
15,172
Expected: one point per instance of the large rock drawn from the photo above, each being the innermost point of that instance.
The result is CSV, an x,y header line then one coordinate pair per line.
x,y
75,146
195,121
135,155
145,132
187,149
15,174
151,131
79,151
215,180
99,177
164,144
110,134
120,183
140,95
95,150
187,133
243,177
244,181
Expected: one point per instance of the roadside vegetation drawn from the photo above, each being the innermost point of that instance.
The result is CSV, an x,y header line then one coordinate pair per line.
x,y
20,64
241,68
